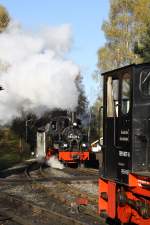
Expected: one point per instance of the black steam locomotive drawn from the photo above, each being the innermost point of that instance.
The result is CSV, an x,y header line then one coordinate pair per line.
x,y
65,138
124,185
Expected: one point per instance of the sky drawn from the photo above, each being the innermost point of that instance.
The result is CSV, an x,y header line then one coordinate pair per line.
x,y
85,18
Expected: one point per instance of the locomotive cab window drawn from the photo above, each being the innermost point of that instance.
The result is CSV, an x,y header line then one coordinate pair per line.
x,y
145,82
125,94
112,97
54,125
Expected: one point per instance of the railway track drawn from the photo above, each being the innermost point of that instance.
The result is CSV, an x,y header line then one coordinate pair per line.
x,y
60,187
36,172
31,166
7,216
88,171
54,179
15,209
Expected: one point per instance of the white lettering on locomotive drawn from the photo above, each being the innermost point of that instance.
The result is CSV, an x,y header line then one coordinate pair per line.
x,y
124,171
124,154
124,139
125,132
73,136
124,135
121,164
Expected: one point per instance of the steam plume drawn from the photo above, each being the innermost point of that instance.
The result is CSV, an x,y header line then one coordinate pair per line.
x,y
55,163
34,72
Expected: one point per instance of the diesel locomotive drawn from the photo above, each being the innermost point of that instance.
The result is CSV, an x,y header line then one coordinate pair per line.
x,y
124,183
66,139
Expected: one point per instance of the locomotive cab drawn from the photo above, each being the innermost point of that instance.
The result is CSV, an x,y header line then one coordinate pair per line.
x,y
126,128
125,175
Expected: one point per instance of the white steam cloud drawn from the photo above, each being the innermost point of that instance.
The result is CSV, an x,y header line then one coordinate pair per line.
x,y
55,163
34,72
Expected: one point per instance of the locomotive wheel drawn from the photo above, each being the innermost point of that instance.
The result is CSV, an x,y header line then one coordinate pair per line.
x,y
113,221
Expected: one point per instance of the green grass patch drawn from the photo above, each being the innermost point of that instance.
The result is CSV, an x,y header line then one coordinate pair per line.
x,y
8,160
10,151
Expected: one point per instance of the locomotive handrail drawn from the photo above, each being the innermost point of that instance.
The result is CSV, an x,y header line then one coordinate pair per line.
x,y
100,123
115,145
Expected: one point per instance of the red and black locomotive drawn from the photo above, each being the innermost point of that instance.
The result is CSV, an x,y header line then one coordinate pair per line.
x,y
69,140
124,183
65,138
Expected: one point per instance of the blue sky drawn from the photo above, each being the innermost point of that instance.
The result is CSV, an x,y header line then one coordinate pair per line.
x,y
85,18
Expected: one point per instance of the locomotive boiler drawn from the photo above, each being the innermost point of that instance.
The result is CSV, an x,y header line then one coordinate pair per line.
x,y
124,184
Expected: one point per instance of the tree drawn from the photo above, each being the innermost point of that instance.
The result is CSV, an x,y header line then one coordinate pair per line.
x,y
82,100
142,47
128,20
141,11
4,21
25,128
96,120
4,18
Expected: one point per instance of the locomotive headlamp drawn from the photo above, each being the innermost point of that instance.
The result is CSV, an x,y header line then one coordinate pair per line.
x,y
74,124
65,145
83,145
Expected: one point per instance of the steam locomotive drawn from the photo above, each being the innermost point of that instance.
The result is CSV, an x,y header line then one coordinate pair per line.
x,y
124,183
64,138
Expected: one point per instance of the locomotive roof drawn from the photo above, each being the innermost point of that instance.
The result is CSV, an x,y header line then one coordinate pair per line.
x,y
125,67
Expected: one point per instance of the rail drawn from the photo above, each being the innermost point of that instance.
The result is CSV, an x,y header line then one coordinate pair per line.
x,y
35,213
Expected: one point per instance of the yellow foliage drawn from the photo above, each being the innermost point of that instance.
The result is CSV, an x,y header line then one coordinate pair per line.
x,y
142,11
128,21
4,18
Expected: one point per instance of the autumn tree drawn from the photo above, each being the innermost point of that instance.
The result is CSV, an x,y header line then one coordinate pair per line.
x,y
4,21
4,18
128,20
142,47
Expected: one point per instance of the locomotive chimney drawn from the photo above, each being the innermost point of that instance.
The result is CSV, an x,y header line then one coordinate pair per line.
x,y
73,117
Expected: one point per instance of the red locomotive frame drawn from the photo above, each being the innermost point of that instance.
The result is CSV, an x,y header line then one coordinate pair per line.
x,y
69,156
73,157
129,204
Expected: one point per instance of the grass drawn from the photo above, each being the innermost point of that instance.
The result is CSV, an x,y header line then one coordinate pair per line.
x,y
11,158
8,160
10,153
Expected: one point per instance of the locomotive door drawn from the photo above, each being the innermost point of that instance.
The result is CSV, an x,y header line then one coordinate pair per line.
x,y
111,103
123,128
116,125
